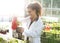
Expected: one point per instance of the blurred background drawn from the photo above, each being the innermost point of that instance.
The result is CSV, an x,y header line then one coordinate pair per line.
x,y
10,9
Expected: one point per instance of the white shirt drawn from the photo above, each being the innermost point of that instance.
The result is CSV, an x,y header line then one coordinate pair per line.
x,y
34,32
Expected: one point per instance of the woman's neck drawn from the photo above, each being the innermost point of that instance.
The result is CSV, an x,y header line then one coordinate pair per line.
x,y
34,19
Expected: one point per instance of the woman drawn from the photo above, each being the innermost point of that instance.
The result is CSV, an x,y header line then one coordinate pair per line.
x,y
35,24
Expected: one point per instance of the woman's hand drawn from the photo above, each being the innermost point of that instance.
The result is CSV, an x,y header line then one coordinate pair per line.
x,y
20,29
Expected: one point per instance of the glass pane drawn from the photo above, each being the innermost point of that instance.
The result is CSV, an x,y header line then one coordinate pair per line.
x,y
46,3
56,13
56,4
47,12
39,1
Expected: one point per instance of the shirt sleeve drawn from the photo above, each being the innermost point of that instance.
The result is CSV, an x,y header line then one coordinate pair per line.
x,y
34,30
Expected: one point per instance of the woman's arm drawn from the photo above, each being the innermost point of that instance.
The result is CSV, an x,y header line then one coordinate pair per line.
x,y
34,31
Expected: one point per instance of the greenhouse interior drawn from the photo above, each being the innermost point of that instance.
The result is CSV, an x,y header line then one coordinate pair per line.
x,y
13,14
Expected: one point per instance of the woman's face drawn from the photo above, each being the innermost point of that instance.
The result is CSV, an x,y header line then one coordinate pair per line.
x,y
31,13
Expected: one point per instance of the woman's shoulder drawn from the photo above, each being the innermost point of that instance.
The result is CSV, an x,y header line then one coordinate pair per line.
x,y
39,20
